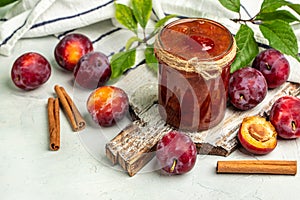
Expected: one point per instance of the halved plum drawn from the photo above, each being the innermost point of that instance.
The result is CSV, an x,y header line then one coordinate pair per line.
x,y
257,135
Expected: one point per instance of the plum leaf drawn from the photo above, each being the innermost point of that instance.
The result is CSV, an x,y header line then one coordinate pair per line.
x,y
295,7
6,2
150,58
124,16
247,48
131,40
278,14
162,21
280,36
122,61
272,5
233,5
142,11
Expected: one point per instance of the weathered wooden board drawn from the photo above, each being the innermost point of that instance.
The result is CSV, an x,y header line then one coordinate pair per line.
x,y
135,146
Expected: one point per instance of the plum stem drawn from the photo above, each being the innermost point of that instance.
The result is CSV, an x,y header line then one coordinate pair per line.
x,y
145,39
244,8
172,169
251,19
268,66
241,97
294,126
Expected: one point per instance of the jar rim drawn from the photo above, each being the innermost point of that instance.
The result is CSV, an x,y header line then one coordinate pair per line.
x,y
184,20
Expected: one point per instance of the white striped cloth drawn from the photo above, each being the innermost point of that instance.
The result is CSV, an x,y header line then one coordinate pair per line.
x,y
95,18
36,18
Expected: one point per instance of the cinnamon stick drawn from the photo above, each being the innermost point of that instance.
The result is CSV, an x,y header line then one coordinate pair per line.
x,y
258,167
54,123
75,118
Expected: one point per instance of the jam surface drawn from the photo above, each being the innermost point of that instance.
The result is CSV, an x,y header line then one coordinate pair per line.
x,y
189,101
196,38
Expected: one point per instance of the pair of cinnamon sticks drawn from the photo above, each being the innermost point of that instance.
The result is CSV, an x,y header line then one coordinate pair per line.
x,y
75,118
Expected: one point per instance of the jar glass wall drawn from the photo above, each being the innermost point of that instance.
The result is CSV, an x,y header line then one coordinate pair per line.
x,y
194,68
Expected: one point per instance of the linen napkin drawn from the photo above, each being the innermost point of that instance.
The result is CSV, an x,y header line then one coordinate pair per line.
x,y
36,18
95,18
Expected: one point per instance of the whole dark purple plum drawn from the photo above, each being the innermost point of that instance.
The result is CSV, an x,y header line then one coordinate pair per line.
x,y
30,71
285,117
247,88
274,66
92,70
70,49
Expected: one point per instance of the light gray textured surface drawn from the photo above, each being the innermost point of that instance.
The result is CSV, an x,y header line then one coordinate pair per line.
x,y
80,170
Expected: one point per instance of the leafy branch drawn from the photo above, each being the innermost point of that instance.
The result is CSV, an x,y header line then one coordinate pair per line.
x,y
274,24
136,18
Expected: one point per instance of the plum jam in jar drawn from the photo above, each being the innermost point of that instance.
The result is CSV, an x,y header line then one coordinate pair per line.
x,y
194,56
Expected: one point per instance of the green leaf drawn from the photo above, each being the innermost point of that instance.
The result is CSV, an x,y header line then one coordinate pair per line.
x,y
233,5
162,21
278,14
295,7
297,58
272,5
122,61
6,2
131,40
142,11
124,16
151,60
247,48
280,36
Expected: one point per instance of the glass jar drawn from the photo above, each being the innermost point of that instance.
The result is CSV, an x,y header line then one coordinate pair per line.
x,y
194,57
